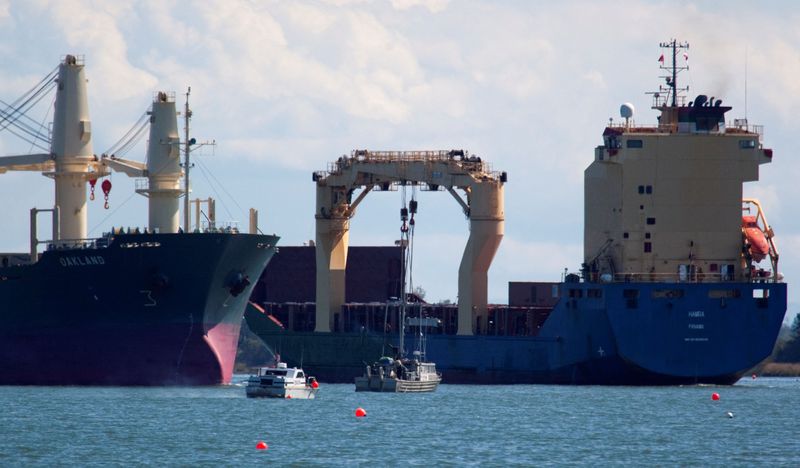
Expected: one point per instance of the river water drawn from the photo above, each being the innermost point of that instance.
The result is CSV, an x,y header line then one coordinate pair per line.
x,y
459,425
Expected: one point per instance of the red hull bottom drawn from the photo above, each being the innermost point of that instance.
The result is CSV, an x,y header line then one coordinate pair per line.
x,y
176,354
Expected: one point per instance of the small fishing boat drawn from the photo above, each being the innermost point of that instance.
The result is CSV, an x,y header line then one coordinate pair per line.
x,y
403,374
282,382
399,375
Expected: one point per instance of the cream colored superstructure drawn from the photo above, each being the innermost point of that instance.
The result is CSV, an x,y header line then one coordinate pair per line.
x,y
665,203
450,170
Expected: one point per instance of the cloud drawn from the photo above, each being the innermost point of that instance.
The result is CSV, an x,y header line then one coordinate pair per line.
x,y
311,19
434,6
94,29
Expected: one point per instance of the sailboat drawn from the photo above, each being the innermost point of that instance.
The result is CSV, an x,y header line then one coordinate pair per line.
x,y
401,373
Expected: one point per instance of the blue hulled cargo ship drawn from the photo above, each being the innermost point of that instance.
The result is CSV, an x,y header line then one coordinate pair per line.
x,y
157,306
679,282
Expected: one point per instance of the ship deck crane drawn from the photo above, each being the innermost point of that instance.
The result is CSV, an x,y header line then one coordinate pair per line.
x,y
71,161
381,170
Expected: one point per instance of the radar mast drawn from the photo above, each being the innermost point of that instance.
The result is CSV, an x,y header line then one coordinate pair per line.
x,y
669,93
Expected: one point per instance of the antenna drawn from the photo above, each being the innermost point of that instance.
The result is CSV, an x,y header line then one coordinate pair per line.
x,y
746,50
187,149
671,78
187,114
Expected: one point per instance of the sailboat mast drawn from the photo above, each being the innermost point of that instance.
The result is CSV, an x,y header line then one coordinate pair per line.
x,y
404,252
402,327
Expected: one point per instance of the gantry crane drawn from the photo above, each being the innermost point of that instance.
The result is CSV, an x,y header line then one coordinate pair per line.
x,y
381,170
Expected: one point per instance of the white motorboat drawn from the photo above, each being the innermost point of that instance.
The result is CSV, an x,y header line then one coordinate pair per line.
x,y
282,382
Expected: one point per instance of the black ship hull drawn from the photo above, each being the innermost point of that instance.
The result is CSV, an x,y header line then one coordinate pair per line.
x,y
133,309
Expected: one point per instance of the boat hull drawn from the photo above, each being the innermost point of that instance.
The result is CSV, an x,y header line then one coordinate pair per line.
x,y
146,309
713,333
375,383
289,393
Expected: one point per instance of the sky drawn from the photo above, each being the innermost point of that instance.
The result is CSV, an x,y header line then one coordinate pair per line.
x,y
284,88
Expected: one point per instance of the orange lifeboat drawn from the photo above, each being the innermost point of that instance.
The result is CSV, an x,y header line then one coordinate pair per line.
x,y
759,246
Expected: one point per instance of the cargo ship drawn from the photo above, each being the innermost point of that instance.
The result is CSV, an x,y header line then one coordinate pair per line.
x,y
161,305
679,282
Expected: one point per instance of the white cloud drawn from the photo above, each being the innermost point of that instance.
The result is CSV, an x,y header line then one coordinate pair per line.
x,y
93,30
434,6
311,19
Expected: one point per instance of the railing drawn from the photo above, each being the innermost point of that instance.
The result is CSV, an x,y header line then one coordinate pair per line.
x,y
759,276
228,227
468,162
71,244
743,125
142,184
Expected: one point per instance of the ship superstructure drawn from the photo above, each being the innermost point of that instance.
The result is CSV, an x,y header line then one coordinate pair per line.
x,y
664,202
138,307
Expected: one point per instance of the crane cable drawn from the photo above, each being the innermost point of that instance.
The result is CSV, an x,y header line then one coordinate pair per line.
x,y
130,138
15,114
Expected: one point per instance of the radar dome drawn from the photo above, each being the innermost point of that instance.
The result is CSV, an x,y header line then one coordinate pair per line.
x,y
626,110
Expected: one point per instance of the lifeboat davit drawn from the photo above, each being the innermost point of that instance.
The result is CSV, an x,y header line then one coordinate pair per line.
x,y
759,246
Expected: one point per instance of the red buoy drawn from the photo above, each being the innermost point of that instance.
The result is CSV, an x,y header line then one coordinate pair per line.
x,y
288,397
360,413
715,396
314,384
261,445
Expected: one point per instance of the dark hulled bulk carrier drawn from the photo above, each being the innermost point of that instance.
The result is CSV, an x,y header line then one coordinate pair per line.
x,y
679,281
152,307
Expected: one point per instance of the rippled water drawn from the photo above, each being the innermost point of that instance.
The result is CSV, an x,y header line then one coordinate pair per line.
x,y
458,425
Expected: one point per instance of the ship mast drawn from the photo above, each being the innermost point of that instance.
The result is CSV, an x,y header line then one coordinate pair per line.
x,y
672,70
187,114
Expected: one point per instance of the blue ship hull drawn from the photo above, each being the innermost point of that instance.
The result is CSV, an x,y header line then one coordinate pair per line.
x,y
611,334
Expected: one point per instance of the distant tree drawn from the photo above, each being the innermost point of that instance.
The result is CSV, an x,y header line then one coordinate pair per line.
x,y
252,352
789,351
419,292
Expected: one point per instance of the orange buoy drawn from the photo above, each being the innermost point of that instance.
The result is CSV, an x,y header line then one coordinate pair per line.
x,y
261,445
360,413
715,396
